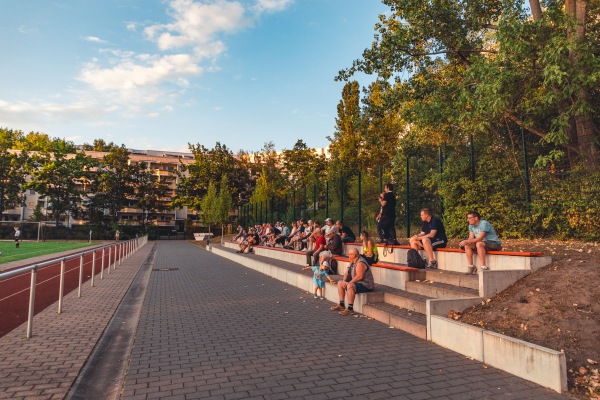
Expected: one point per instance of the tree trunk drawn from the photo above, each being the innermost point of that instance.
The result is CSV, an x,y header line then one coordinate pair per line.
x,y
536,9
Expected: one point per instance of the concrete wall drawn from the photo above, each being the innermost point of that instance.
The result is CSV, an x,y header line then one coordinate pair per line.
x,y
538,364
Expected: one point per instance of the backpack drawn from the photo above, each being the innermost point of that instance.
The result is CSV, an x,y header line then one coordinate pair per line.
x,y
414,259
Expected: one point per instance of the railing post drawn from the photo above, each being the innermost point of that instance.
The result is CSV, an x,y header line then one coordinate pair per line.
x,y
102,266
31,303
80,275
61,288
93,267
109,258
407,197
121,254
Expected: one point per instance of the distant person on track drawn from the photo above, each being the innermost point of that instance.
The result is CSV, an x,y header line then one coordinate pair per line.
x,y
117,235
17,236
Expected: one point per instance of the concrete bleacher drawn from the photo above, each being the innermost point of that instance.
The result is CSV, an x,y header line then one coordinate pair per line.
x,y
419,302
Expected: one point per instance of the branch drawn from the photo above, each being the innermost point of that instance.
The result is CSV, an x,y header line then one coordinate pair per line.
x,y
459,52
537,132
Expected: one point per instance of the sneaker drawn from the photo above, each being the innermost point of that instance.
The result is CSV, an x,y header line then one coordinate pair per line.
x,y
432,265
485,268
322,298
238,251
346,312
337,307
471,269
314,296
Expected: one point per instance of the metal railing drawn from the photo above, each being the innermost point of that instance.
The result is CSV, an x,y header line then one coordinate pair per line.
x,y
120,250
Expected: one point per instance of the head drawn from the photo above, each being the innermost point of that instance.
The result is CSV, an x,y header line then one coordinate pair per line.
x,y
473,217
339,224
318,232
332,232
353,254
388,187
329,221
364,236
426,214
324,265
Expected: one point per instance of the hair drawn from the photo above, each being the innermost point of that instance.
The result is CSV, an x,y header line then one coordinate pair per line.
x,y
426,211
365,235
474,214
390,186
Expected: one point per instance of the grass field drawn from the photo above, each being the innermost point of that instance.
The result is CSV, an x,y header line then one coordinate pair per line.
x,y
34,249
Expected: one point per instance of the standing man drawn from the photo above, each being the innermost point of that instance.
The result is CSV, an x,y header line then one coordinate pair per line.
x,y
432,236
482,238
387,216
117,234
17,236
357,279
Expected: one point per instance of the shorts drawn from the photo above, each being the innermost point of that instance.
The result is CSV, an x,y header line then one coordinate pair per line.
x,y
492,246
360,288
437,243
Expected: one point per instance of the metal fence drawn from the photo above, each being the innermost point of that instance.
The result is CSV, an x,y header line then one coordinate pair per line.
x,y
111,255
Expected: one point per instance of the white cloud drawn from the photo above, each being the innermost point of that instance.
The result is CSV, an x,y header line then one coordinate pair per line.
x,y
197,25
26,30
93,39
272,5
131,26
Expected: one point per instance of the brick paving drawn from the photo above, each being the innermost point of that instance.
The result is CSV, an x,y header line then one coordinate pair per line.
x,y
211,328
45,366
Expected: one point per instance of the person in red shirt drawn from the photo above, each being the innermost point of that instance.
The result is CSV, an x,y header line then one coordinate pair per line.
x,y
312,256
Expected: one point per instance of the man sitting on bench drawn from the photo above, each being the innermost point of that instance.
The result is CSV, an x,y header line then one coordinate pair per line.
x,y
357,279
482,238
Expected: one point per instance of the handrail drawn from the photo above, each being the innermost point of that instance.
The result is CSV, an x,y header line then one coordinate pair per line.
x,y
123,250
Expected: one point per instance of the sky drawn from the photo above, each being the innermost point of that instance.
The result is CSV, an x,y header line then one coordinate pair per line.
x,y
159,74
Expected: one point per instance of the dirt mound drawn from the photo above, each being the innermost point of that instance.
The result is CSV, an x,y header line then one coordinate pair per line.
x,y
556,307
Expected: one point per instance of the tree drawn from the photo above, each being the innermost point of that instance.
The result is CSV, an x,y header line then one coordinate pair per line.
x,y
57,175
209,206
99,145
12,170
224,203
115,181
151,193
299,163
469,67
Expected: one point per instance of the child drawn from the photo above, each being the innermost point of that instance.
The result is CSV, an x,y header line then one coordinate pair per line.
x,y
319,272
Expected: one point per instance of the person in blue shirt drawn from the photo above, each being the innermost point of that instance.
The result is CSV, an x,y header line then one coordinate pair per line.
x,y
482,238
319,274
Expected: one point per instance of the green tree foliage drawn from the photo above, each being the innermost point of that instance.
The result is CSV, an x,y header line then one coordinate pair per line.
x,y
300,163
12,170
346,143
115,181
58,176
224,203
151,193
209,165
99,145
469,67
209,205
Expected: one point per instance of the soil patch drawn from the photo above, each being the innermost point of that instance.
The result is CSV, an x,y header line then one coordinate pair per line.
x,y
556,307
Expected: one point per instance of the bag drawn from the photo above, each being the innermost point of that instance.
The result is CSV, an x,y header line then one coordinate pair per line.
x,y
333,266
414,259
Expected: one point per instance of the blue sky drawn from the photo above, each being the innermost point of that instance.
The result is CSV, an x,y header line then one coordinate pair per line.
x,y
159,74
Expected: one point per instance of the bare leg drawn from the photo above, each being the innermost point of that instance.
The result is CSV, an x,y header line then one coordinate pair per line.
x,y
351,293
469,253
481,252
415,243
428,248
342,290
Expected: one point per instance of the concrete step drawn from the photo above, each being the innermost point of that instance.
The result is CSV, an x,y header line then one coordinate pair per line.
x,y
440,290
408,321
452,278
409,301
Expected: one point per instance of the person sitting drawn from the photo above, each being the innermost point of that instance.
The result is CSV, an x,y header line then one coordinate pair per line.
x,y
482,238
431,237
283,236
240,233
370,253
253,239
357,279
313,255
327,226
345,232
334,242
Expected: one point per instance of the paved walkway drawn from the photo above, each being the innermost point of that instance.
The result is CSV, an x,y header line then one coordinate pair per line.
x,y
210,328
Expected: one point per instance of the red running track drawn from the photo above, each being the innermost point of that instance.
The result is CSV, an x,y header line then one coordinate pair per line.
x,y
14,290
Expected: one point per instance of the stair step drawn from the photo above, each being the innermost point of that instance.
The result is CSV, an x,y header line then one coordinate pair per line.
x,y
408,321
410,301
453,278
440,290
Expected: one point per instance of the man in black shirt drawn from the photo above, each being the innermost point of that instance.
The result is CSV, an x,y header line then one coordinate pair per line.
x,y
345,232
432,236
387,216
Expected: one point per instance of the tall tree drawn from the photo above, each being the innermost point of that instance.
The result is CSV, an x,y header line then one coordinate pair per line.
x,y
299,163
115,181
12,170
151,193
58,176
209,205
224,203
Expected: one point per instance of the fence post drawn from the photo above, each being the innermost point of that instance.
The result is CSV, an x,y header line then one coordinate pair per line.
x,y
326,199
359,202
407,197
380,179
31,303
61,287
341,198
102,265
294,205
80,275
305,208
472,157
441,169
526,171
315,201
93,267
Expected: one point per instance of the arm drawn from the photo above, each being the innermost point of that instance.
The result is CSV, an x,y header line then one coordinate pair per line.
x,y
361,268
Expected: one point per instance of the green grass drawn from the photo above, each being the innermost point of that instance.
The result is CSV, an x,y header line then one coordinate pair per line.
x,y
34,249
